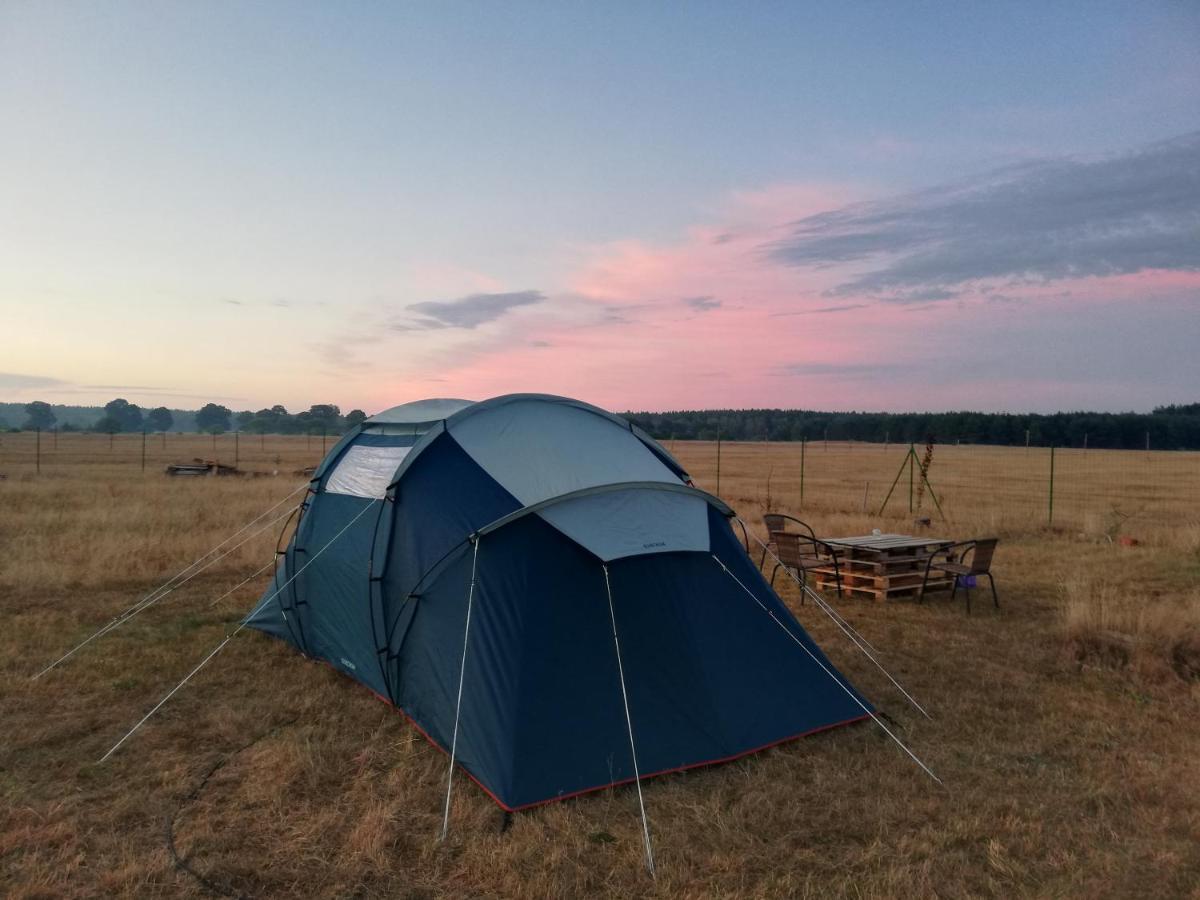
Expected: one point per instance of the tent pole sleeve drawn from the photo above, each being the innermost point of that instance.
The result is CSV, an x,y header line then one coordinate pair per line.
x,y
462,669
637,778
825,669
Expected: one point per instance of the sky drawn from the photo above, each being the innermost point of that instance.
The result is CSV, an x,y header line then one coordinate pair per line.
x,y
648,206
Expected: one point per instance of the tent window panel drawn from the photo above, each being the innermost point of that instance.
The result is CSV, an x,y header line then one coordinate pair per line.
x,y
366,471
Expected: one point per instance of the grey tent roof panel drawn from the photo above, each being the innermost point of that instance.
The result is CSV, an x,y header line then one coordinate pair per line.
x,y
617,524
420,411
537,449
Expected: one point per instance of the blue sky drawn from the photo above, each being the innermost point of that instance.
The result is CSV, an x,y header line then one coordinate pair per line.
x,y
247,200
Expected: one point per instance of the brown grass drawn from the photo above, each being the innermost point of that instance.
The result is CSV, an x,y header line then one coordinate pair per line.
x,y
1069,772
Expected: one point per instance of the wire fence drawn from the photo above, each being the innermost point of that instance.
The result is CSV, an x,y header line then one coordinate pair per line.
x,y
1103,491
53,452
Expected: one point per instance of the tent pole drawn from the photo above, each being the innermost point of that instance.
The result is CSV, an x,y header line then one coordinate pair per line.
x,y
825,669
462,670
629,724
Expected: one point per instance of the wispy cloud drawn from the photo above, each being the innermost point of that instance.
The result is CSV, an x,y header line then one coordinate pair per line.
x,y
119,387
17,381
465,312
1040,221
843,370
702,304
847,307
58,388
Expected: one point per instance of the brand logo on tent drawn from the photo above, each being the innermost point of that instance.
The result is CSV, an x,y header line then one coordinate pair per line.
x,y
349,665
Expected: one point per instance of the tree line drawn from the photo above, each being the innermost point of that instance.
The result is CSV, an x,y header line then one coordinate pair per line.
x,y
1166,428
1175,427
121,416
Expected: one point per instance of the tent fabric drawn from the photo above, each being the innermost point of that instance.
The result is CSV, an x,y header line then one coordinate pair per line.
x,y
419,411
709,675
572,450
632,522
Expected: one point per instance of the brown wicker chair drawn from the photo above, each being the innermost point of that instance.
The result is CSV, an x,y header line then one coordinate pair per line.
x,y
953,561
774,522
798,550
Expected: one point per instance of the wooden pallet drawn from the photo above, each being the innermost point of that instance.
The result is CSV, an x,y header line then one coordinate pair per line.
x,y
201,467
880,588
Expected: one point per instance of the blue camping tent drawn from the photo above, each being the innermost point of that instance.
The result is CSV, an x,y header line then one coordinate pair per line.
x,y
535,583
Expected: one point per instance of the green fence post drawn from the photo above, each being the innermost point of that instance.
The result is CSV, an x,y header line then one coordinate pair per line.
x,y
1050,512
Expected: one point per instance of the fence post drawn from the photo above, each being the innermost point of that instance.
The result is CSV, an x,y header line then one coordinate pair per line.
x,y
1050,511
143,449
39,451
912,455
236,449
718,461
803,445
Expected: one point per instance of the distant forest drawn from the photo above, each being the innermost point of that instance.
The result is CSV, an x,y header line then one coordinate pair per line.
x,y
1166,428
120,416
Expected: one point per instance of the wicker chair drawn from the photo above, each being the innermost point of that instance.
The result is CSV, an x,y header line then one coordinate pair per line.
x,y
799,551
953,561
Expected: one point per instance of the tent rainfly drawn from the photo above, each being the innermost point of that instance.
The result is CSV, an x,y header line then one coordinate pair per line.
x,y
537,585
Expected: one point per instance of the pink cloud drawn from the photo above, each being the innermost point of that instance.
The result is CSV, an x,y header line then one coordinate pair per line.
x,y
711,320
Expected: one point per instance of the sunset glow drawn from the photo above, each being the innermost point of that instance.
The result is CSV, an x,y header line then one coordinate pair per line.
x,y
354,224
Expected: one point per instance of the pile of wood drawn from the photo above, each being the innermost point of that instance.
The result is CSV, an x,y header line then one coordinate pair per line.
x,y
202,467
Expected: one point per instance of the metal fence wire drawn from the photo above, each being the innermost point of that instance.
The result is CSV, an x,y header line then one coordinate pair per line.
x,y
1102,491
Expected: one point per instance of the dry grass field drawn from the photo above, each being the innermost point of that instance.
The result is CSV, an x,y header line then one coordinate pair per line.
x,y
1065,726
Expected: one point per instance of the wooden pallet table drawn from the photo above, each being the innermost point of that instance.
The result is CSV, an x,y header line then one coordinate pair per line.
x,y
883,566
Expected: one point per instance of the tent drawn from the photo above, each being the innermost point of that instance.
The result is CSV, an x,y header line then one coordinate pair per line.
x,y
538,586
